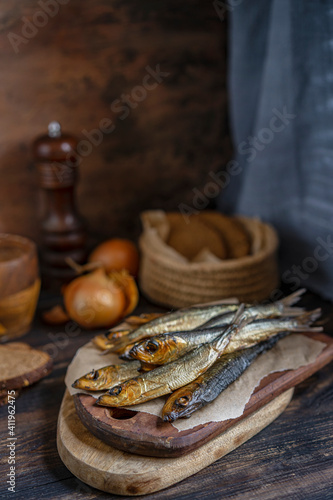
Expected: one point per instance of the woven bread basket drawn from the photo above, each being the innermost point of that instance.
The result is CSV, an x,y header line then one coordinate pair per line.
x,y
168,279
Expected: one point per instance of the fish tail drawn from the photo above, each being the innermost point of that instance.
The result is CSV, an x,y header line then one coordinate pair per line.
x,y
292,311
309,317
304,322
238,314
238,321
242,319
285,304
306,328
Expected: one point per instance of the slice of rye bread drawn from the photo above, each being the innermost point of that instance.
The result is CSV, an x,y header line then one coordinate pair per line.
x,y
191,236
21,365
236,237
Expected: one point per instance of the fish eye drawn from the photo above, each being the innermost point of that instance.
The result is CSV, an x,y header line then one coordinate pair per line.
x,y
115,390
152,346
182,401
92,375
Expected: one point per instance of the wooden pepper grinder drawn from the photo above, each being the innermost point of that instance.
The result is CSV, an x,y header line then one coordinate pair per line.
x,y
63,230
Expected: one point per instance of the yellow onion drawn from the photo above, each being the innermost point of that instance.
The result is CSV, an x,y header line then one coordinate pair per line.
x,y
95,300
115,255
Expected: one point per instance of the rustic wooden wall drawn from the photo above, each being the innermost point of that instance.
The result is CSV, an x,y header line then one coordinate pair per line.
x,y
72,68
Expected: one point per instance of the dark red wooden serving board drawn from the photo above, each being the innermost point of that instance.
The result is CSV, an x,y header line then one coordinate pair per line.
x,y
145,434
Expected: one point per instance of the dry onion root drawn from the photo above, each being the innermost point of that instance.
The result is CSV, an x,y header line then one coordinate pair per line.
x,y
99,300
55,316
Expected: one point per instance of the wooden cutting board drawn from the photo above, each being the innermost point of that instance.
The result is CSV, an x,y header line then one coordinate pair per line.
x,y
121,473
104,451
147,434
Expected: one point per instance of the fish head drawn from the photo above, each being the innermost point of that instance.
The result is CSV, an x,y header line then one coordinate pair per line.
x,y
183,402
102,342
116,334
156,350
125,352
107,340
122,394
94,379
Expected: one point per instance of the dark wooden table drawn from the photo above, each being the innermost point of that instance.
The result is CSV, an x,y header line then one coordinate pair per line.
x,y
290,459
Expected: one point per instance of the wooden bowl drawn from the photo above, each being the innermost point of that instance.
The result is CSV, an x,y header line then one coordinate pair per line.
x,y
19,285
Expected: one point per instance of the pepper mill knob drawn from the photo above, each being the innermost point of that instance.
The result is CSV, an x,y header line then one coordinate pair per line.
x,y
62,228
54,129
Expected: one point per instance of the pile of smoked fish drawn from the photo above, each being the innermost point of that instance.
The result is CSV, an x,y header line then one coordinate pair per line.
x,y
192,354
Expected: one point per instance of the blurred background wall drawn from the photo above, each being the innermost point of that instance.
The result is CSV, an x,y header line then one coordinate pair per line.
x,y
72,64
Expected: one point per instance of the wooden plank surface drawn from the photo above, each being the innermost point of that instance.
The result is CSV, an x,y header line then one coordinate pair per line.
x,y
124,473
75,67
291,459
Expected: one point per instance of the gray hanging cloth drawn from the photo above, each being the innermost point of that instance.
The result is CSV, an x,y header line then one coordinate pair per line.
x,y
281,91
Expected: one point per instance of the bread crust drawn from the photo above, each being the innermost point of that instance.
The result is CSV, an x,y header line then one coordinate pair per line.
x,y
236,238
21,365
189,238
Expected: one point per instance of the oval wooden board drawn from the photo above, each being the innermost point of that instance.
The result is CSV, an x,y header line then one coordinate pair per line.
x,y
147,434
122,473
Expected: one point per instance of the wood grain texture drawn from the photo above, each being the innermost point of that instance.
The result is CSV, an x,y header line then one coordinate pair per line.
x,y
20,365
72,70
114,471
293,458
19,285
146,434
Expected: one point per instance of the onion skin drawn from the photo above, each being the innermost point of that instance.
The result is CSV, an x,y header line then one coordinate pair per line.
x,y
128,285
55,316
117,254
94,300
